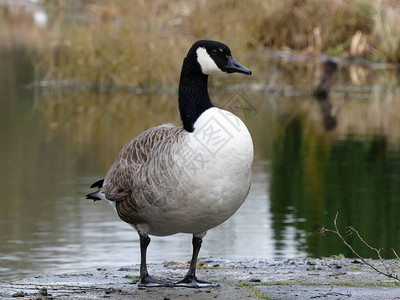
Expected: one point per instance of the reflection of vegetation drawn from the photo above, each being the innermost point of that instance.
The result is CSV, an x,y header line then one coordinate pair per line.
x,y
314,176
105,121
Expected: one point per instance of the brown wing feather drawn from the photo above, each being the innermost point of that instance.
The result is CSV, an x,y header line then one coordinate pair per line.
x,y
127,180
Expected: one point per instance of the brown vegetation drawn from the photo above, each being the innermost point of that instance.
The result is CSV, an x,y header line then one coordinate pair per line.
x,y
141,43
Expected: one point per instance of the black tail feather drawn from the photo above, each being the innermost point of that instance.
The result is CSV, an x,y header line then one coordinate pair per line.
x,y
98,184
94,196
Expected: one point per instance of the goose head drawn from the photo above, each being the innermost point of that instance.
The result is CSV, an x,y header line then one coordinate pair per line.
x,y
214,57
204,58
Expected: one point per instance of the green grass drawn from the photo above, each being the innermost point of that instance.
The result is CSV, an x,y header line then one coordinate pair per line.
x,y
204,267
339,256
131,277
254,291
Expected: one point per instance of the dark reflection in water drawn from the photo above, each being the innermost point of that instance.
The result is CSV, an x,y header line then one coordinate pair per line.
x,y
312,179
54,146
321,93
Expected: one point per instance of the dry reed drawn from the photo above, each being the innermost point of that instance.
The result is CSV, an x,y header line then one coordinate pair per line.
x,y
140,44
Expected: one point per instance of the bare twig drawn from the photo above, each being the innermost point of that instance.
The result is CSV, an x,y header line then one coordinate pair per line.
x,y
397,257
395,254
351,230
330,293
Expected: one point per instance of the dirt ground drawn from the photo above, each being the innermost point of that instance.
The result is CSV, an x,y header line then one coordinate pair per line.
x,y
325,278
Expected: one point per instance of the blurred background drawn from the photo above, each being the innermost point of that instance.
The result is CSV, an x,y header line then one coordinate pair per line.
x,y
79,79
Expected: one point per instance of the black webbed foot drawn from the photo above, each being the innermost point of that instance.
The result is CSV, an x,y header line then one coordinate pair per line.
x,y
193,282
148,281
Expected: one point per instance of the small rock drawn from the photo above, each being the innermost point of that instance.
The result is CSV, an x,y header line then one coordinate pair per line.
x,y
19,294
43,291
335,266
110,290
254,280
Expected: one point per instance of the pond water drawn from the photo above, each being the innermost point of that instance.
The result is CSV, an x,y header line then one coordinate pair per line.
x,y
314,158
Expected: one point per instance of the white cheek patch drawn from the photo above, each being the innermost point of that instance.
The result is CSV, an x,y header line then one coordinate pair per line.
x,y
207,64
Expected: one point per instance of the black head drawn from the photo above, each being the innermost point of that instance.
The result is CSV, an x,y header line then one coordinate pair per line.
x,y
215,58
204,58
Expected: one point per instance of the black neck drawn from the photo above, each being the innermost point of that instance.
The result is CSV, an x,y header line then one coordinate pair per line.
x,y
193,96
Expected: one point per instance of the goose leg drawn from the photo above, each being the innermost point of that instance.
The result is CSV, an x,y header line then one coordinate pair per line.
x,y
145,280
190,279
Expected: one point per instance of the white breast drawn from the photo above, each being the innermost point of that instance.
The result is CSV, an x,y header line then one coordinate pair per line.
x,y
224,144
215,170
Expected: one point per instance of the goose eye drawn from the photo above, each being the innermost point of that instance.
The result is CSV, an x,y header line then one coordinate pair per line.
x,y
214,52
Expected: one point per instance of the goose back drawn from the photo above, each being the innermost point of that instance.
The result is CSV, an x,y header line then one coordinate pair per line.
x,y
132,180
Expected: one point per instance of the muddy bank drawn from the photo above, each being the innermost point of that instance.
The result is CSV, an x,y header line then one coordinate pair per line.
x,y
326,278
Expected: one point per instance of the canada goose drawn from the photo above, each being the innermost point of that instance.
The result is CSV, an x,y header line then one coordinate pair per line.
x,y
184,179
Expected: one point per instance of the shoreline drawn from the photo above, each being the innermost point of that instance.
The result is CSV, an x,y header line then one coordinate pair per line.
x,y
308,278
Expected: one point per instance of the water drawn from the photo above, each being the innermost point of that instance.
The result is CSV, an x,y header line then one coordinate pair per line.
x,y
313,159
